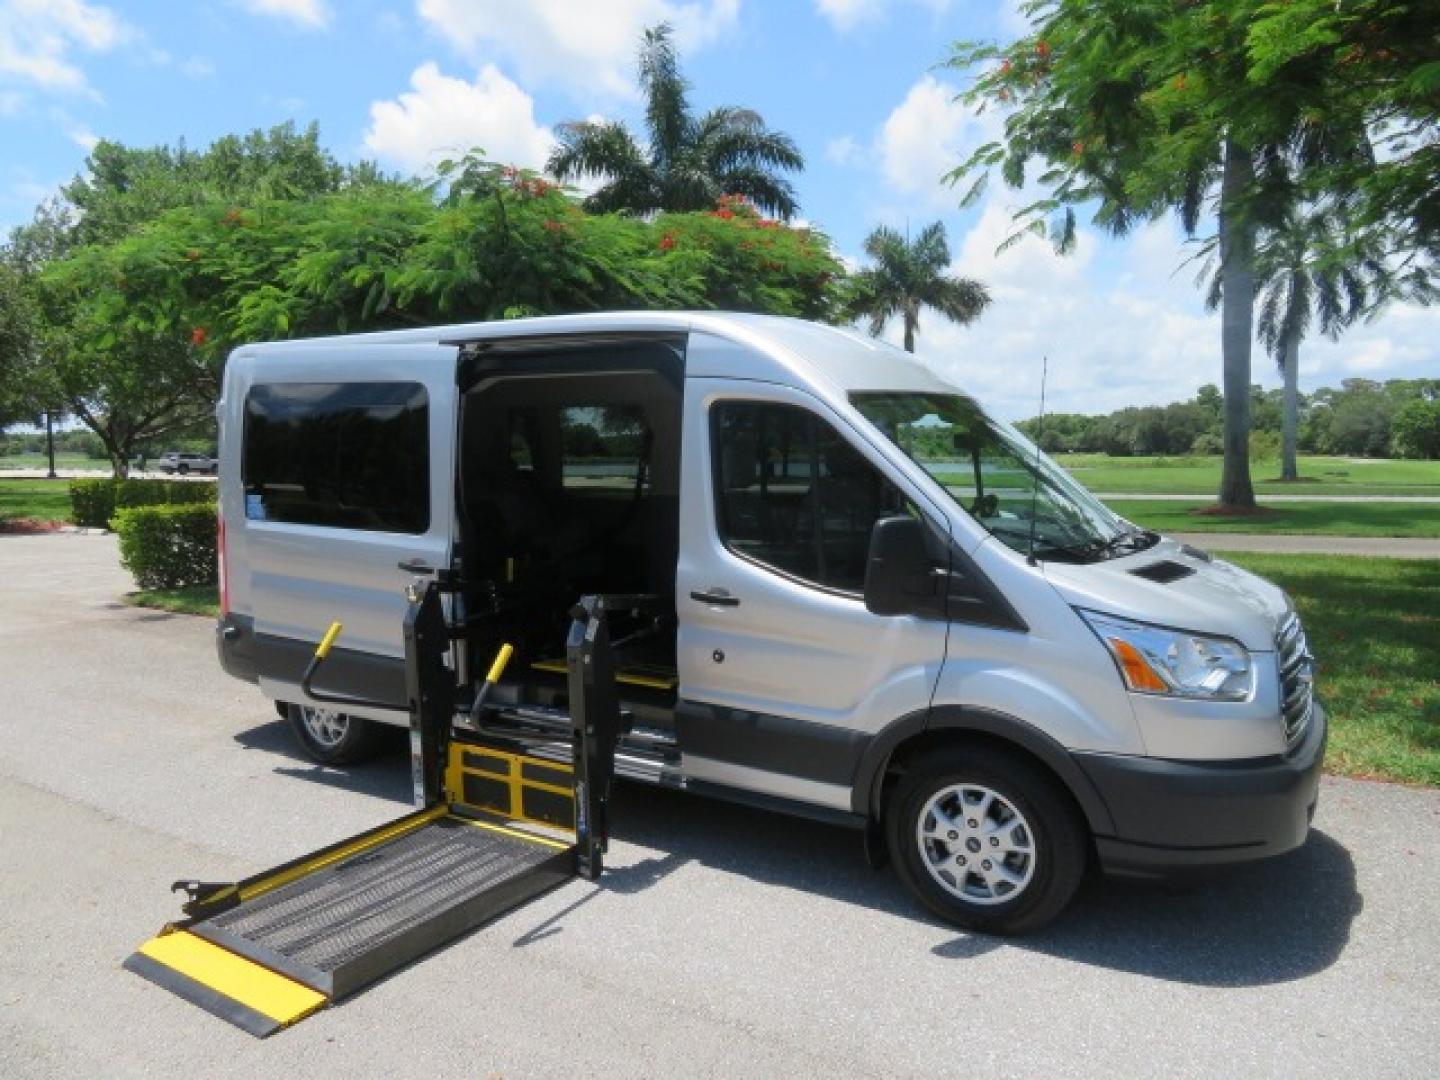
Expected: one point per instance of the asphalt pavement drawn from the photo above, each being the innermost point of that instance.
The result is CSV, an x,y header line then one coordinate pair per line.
x,y
723,942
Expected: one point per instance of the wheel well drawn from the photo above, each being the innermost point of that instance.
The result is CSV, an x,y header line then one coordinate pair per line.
x,y
925,742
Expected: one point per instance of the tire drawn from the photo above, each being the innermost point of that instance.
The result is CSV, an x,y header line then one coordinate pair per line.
x,y
333,738
183,469
1018,813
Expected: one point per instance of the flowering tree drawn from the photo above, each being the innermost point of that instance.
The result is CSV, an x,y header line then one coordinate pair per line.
x,y
150,317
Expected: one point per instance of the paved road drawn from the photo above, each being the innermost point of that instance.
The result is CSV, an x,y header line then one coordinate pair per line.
x,y
726,942
1392,547
1266,497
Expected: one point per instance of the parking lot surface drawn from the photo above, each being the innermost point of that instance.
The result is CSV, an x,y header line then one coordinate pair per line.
x,y
723,942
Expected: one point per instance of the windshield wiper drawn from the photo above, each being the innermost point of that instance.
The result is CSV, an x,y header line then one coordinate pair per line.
x,y
1134,539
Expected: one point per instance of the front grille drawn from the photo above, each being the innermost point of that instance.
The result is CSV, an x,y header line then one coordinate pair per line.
x,y
1297,678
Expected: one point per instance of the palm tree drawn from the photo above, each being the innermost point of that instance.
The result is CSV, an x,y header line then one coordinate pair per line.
x,y
1305,274
908,276
689,161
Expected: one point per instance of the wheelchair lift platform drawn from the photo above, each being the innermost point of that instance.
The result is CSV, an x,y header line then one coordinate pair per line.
x,y
498,827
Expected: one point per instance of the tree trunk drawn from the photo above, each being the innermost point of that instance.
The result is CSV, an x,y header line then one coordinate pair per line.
x,y
1290,418
1237,316
909,335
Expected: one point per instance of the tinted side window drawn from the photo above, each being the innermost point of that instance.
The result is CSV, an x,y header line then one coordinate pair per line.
x,y
350,455
604,446
794,495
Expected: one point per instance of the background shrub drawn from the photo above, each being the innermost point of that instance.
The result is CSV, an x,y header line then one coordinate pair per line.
x,y
165,547
94,502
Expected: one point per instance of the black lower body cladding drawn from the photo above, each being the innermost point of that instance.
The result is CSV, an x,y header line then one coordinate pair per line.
x,y
1174,816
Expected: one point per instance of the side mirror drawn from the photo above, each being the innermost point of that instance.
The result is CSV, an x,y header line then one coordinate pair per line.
x,y
900,578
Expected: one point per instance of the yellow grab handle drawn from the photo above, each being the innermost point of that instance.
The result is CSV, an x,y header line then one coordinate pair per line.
x,y
501,659
323,649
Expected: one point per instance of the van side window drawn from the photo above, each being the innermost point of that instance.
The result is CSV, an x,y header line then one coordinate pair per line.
x,y
605,446
348,455
793,495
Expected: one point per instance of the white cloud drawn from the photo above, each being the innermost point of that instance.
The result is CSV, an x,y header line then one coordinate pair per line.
x,y
11,103
925,136
587,47
38,39
309,14
442,116
844,151
197,67
847,14
83,137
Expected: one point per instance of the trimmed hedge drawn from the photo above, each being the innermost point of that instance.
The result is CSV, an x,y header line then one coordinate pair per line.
x,y
165,547
94,502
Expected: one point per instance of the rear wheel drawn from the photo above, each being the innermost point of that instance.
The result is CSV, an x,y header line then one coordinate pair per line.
x,y
331,737
985,840
183,469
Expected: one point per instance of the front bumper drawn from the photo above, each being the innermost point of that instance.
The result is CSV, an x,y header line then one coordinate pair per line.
x,y
1172,816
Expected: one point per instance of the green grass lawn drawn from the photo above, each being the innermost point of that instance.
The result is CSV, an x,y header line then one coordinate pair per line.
x,y
1201,476
48,500
190,600
1374,625
1314,519
62,461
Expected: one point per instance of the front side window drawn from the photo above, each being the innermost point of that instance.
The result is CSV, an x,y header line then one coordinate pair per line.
x,y
347,455
793,495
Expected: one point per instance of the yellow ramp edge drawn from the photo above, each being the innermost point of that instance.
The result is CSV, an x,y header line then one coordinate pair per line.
x,y
231,987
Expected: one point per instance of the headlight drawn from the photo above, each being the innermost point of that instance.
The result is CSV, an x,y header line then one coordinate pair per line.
x,y
1154,660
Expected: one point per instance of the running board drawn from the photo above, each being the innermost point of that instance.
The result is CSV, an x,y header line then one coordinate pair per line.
x,y
282,945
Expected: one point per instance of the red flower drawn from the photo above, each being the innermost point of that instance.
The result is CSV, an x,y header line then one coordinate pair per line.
x,y
198,336
1005,67
667,241
725,213
1078,147
1042,48
551,225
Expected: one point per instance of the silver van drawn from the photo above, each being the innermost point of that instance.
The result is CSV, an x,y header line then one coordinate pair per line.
x,y
888,609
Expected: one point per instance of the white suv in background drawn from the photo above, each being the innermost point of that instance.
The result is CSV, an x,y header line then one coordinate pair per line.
x,y
184,462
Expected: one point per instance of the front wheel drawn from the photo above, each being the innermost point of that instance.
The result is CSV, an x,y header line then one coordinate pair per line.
x,y
985,840
333,738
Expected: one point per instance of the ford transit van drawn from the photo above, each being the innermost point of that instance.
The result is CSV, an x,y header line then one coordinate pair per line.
x,y
884,606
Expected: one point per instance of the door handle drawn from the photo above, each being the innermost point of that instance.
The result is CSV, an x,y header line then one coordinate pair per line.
x,y
717,596
416,565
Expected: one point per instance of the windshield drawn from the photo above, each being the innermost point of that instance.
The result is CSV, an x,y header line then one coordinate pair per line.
x,y
999,477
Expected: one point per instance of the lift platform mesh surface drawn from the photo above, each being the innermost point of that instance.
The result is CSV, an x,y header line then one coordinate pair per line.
x,y
317,931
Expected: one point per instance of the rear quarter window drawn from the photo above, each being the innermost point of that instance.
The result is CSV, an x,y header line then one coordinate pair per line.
x,y
345,455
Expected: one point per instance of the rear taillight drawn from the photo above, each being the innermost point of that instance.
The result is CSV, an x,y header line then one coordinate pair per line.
x,y
220,559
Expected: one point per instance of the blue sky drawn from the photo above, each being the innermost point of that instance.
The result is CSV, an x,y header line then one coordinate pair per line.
x,y
852,80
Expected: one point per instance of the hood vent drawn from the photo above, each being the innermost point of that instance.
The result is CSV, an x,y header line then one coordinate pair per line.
x,y
1196,553
1163,571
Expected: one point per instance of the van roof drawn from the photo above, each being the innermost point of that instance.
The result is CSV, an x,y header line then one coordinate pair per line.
x,y
843,357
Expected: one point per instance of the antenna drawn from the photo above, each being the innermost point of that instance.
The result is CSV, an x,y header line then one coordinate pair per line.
x,y
1039,433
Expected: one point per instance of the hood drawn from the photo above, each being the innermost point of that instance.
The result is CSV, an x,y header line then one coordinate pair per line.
x,y
1203,594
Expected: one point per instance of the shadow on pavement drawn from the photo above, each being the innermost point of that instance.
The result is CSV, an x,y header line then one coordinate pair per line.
x,y
1271,923
387,777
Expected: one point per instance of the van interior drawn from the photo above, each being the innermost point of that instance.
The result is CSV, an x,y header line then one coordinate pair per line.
x,y
569,484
